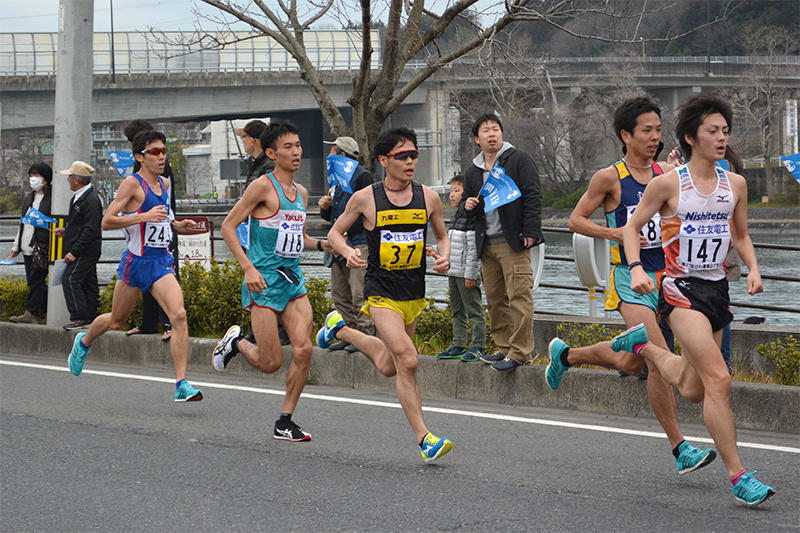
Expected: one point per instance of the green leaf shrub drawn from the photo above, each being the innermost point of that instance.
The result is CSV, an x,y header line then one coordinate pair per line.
x,y
785,355
13,293
213,298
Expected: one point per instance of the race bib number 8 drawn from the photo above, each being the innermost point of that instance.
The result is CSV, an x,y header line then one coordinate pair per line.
x,y
157,234
401,250
651,231
704,245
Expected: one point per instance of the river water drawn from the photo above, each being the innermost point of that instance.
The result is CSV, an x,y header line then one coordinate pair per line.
x,y
550,300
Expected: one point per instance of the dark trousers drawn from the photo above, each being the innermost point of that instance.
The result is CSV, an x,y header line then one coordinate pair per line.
x,y
152,314
80,288
36,302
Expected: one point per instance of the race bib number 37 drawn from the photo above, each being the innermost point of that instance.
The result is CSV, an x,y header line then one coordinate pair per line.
x,y
401,250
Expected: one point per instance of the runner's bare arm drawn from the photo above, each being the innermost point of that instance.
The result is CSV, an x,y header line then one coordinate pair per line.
x,y
600,186
114,219
355,208
254,194
434,206
741,238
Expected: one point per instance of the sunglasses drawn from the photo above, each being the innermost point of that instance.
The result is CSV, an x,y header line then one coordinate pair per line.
x,y
155,151
405,154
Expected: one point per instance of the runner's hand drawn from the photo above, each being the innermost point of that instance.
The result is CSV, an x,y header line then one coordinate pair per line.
x,y
354,259
641,282
754,285
253,280
185,224
441,264
156,214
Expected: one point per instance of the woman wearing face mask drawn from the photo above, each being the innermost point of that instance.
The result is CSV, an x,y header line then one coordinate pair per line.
x,y
33,243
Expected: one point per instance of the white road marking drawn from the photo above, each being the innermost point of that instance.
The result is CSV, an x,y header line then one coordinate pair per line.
x,y
374,403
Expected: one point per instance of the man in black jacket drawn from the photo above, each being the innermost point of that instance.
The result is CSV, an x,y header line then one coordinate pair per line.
x,y
82,244
504,237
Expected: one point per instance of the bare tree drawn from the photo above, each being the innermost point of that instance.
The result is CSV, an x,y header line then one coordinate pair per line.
x,y
410,30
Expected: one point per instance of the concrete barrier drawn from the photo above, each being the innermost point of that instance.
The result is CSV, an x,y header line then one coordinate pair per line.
x,y
755,406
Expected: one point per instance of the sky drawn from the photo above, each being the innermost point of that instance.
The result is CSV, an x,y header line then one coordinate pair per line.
x,y
129,15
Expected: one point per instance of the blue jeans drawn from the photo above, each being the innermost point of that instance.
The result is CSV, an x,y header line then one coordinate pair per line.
x,y
726,345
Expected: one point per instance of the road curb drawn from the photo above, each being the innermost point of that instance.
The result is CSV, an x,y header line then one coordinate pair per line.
x,y
755,406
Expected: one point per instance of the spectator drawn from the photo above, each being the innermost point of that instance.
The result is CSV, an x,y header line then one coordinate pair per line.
x,y
504,237
152,314
347,284
33,243
259,163
82,243
464,282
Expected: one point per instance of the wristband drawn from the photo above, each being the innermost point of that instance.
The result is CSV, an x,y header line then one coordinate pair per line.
x,y
635,264
319,244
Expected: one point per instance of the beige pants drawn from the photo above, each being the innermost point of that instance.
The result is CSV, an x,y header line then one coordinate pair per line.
x,y
347,291
508,284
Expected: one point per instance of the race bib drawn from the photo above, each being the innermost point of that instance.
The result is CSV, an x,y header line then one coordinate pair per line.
x,y
704,244
289,242
401,250
650,231
157,234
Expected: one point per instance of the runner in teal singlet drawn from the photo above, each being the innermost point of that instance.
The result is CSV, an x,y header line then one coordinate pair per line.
x,y
273,282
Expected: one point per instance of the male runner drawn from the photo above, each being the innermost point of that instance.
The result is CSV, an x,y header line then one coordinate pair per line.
x,y
700,205
141,209
396,212
618,188
274,285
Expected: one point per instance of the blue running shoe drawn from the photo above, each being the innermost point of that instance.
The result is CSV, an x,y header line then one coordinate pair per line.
x,y
187,393
333,323
78,355
691,458
555,370
433,447
751,491
625,341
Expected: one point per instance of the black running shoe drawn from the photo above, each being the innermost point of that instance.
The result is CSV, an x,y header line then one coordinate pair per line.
x,y
289,431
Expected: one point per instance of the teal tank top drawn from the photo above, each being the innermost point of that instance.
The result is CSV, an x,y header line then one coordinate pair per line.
x,y
277,241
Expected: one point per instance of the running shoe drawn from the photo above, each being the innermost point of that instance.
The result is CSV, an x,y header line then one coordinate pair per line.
x,y
78,355
433,447
472,355
333,323
452,352
492,357
223,352
555,370
290,432
751,491
187,393
628,339
691,458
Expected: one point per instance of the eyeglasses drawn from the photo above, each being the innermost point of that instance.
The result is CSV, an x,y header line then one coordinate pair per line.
x,y
405,154
155,151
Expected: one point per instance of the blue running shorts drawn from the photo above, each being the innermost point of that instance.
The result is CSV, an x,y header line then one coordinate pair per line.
x,y
142,271
621,289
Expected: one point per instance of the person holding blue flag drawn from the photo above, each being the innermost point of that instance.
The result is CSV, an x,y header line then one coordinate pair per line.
x,y
347,284
792,164
32,241
503,196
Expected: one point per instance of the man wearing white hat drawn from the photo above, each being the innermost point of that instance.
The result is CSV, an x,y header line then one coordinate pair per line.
x,y
82,244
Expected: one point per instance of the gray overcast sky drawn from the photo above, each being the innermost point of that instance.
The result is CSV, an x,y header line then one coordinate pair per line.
x,y
129,15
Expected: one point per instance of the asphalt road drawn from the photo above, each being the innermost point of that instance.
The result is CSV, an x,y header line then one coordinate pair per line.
x,y
111,451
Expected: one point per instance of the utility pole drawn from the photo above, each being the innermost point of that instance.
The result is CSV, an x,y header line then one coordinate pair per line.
x,y
72,137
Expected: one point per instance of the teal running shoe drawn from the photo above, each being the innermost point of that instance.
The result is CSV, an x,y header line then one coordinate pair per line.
x,y
625,341
691,458
187,393
452,352
433,447
472,355
750,491
555,369
333,323
78,355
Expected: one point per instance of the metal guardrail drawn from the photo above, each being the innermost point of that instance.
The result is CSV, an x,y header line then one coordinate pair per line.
x,y
546,229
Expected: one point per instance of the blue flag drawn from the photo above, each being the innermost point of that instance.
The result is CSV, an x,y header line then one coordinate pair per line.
x,y
723,164
243,232
121,160
340,170
498,189
37,218
792,164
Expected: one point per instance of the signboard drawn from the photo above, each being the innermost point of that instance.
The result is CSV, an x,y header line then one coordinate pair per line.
x,y
196,246
233,169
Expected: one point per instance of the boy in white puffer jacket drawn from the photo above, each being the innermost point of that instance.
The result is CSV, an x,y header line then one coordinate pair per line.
x,y
463,277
